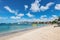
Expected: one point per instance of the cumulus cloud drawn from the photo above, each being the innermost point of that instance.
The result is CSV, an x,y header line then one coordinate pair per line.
x,y
29,15
26,6
35,7
44,18
10,10
54,17
15,17
35,20
20,15
43,8
57,7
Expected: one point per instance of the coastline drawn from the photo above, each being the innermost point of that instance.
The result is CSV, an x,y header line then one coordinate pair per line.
x,y
4,35
35,33
19,30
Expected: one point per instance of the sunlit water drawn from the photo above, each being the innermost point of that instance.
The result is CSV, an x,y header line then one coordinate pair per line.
x,y
11,27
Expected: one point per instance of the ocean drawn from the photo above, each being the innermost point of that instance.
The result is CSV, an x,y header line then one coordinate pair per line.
x,y
13,27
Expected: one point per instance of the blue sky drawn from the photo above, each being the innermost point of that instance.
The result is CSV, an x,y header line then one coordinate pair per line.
x,y
29,10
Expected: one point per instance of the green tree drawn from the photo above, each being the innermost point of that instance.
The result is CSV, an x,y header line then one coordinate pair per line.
x,y
59,19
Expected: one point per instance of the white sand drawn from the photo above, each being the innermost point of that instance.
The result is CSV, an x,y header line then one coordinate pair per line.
x,y
44,33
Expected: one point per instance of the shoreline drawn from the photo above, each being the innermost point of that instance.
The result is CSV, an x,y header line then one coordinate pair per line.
x,y
19,30
23,32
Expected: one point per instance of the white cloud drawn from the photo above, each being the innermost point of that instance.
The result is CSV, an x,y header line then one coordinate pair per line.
x,y
15,17
26,6
49,4
54,17
7,8
35,20
10,10
43,8
43,18
29,15
20,15
35,7
57,7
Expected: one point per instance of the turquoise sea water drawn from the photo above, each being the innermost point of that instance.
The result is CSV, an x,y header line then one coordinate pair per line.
x,y
11,27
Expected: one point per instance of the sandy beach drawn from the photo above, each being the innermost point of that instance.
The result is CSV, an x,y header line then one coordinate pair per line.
x,y
44,33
